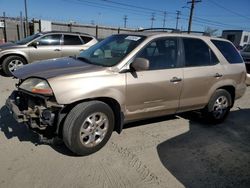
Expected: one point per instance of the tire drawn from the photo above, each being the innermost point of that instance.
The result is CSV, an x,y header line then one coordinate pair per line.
x,y
83,134
218,107
11,63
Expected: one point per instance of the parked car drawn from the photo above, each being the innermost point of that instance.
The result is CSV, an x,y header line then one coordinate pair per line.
x,y
42,46
125,78
245,53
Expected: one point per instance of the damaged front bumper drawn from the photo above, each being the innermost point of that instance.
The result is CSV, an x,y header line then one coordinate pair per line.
x,y
40,113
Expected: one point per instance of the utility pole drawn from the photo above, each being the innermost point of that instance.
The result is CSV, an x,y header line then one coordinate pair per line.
x,y
191,13
21,25
152,20
4,27
26,15
125,21
177,18
164,19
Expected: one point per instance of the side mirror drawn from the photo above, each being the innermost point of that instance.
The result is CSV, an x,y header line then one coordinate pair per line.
x,y
34,44
140,64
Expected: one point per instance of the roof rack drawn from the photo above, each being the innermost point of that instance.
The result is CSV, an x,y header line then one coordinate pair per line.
x,y
160,29
197,32
56,31
173,30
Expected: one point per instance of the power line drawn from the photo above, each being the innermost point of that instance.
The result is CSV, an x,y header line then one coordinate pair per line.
x,y
129,5
229,10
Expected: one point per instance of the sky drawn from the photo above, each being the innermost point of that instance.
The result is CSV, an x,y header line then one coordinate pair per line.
x,y
220,15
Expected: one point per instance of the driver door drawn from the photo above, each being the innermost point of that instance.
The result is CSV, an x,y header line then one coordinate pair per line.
x,y
156,91
48,47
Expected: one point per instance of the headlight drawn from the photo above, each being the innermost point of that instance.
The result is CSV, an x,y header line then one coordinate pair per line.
x,y
36,85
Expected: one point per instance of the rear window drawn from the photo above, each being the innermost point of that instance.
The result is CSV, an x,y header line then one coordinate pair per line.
x,y
228,51
72,40
85,39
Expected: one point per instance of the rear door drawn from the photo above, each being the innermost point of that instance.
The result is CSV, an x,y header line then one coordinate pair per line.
x,y
156,91
201,70
72,45
48,47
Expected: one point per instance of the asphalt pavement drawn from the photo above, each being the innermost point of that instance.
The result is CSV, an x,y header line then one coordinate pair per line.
x,y
172,151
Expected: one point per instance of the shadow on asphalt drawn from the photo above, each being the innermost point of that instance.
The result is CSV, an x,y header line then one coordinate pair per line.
x,y
2,74
210,156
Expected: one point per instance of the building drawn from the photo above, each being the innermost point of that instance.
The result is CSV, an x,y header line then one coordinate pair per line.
x,y
238,37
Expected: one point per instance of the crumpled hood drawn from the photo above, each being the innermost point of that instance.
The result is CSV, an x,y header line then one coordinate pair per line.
x,y
55,67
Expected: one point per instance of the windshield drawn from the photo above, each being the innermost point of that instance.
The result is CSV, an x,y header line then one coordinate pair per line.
x,y
246,48
28,39
112,50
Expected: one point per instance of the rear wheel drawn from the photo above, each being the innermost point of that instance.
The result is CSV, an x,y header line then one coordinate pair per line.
x,y
218,107
88,127
11,63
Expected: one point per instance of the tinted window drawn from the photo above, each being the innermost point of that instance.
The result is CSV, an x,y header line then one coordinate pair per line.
x,y
49,40
72,40
85,39
162,53
197,53
228,51
245,38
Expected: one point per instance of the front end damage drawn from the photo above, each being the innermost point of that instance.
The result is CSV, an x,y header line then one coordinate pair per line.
x,y
40,113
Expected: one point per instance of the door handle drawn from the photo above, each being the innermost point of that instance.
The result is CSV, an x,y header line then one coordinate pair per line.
x,y
175,79
57,50
218,75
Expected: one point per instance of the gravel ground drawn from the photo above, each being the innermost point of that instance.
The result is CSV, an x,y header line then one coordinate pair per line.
x,y
172,151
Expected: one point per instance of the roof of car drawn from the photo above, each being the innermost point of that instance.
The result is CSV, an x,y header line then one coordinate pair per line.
x,y
65,32
149,33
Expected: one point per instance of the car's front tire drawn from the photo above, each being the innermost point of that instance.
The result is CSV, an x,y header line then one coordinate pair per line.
x,y
88,127
11,63
218,107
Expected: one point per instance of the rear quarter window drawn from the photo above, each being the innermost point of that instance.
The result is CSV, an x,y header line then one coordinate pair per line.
x,y
85,39
228,51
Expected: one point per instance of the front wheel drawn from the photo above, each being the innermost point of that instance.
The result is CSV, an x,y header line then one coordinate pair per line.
x,y
88,127
11,63
218,107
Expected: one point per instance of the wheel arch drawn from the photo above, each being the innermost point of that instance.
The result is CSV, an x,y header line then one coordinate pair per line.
x,y
112,103
231,90
13,54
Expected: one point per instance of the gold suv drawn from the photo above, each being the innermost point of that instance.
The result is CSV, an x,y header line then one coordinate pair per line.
x,y
41,46
124,78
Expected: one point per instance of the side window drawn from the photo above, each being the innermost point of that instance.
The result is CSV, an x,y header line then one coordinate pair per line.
x,y
49,40
161,53
197,53
228,51
85,39
72,40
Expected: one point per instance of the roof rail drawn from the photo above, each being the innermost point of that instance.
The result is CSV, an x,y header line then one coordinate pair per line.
x,y
57,31
160,29
197,32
